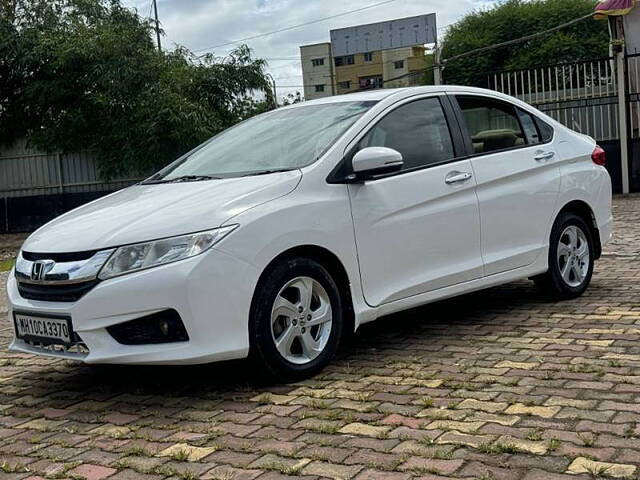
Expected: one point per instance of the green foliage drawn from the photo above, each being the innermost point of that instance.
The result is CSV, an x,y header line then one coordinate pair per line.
x,y
85,75
517,18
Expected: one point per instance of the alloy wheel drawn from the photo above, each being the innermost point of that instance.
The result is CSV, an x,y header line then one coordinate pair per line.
x,y
301,320
573,256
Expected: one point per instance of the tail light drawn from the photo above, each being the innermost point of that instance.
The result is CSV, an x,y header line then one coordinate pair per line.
x,y
599,156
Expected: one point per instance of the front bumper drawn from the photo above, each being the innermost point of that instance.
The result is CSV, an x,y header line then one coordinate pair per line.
x,y
211,292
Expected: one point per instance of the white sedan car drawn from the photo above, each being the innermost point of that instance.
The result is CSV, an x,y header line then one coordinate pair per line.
x,y
279,236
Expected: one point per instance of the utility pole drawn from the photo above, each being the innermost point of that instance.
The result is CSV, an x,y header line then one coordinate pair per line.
x,y
437,65
155,9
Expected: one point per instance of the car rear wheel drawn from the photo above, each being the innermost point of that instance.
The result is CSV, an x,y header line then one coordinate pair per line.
x,y
296,319
571,257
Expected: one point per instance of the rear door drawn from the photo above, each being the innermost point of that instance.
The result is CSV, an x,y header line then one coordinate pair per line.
x,y
417,229
517,178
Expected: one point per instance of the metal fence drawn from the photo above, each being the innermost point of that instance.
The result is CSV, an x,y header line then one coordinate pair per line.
x,y
581,95
584,96
37,186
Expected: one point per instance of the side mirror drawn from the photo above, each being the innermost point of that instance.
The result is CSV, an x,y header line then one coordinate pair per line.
x,y
375,160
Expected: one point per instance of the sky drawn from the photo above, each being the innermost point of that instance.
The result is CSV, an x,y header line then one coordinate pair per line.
x,y
201,24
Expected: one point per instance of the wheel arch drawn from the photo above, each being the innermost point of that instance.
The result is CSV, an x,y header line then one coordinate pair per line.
x,y
584,211
328,260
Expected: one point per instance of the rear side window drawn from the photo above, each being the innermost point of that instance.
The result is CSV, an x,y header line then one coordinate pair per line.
x,y
529,127
546,130
418,130
492,124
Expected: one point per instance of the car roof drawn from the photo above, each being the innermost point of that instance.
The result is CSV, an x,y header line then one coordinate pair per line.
x,y
382,93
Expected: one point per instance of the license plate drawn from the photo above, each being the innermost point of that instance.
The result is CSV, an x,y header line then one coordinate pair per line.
x,y
49,330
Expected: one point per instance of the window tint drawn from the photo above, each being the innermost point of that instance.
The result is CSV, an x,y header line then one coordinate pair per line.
x,y
492,124
418,130
546,130
529,127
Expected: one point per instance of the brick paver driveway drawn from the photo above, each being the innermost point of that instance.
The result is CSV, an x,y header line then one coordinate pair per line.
x,y
494,385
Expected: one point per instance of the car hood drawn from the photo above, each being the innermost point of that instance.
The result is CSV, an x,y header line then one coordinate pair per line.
x,y
146,212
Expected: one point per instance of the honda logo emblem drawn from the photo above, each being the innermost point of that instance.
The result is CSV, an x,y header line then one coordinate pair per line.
x,y
40,269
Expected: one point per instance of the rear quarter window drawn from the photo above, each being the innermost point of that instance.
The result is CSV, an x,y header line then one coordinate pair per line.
x,y
546,130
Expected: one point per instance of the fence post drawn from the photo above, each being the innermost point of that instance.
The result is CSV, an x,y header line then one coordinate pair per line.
x,y
621,78
60,178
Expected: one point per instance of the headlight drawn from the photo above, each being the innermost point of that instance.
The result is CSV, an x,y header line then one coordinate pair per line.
x,y
140,256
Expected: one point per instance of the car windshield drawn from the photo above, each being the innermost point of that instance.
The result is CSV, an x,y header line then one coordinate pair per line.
x,y
280,140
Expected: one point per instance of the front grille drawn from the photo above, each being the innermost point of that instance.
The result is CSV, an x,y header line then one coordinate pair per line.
x,y
55,293
60,257
162,327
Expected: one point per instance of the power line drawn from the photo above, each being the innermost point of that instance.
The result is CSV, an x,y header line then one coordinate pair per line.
x,y
285,29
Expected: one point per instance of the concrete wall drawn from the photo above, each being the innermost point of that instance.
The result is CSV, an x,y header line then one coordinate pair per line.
x,y
316,75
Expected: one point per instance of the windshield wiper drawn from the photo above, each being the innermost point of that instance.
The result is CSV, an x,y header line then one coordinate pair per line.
x,y
265,172
185,178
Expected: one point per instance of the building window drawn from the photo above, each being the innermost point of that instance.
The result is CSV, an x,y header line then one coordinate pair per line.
x,y
345,85
319,88
346,60
398,64
368,57
371,82
317,62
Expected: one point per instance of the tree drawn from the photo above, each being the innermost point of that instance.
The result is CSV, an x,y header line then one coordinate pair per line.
x,y
85,75
292,98
516,18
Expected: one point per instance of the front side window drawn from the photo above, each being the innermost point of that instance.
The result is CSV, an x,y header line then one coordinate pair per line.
x,y
418,130
283,139
492,124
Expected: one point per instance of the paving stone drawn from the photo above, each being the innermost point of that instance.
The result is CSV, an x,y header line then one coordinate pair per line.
x,y
499,367
92,472
585,465
364,430
187,451
521,409
332,470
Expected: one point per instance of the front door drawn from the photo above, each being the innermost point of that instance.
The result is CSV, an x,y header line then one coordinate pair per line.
x,y
416,230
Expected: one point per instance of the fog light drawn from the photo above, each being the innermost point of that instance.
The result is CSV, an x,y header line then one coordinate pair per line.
x,y
164,327
161,327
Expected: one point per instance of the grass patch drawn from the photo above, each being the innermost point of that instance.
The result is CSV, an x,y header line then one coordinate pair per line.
x,y
6,265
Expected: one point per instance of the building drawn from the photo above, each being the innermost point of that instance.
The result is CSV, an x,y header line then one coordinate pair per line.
x,y
324,75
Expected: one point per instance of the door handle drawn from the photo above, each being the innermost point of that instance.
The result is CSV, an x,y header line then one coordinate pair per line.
x,y
455,177
541,155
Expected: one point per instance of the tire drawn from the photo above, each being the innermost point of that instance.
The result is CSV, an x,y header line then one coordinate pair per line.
x,y
571,250
308,332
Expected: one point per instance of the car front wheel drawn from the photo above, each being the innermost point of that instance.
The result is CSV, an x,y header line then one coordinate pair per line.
x,y
571,257
296,319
